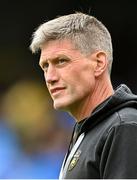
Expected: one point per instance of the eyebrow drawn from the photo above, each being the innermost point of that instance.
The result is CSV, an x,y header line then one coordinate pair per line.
x,y
43,61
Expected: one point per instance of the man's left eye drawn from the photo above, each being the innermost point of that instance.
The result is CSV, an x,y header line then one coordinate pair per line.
x,y
61,61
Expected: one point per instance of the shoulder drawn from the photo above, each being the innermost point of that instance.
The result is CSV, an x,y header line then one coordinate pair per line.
x,y
128,115
124,122
122,130
119,121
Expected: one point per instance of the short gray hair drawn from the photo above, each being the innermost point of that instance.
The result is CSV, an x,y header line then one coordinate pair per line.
x,y
86,32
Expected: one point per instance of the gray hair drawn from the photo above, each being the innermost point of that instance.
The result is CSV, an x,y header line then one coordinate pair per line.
x,y
86,32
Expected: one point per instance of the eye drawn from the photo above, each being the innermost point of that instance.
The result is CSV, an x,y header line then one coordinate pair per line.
x,y
61,61
45,66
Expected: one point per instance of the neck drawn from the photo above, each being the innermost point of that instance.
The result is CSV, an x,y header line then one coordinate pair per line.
x,y
102,90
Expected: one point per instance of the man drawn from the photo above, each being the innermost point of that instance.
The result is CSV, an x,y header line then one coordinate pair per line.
x,y
76,58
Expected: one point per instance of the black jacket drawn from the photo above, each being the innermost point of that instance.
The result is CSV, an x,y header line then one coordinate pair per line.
x,y
107,142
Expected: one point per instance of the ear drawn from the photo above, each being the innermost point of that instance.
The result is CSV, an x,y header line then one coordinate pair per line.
x,y
101,63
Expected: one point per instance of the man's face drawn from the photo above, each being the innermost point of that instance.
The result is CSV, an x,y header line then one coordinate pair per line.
x,y
69,75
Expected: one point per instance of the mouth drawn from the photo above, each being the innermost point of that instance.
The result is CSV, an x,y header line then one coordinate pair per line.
x,y
56,90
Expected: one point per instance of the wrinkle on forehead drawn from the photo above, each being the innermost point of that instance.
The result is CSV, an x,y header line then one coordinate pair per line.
x,y
55,49
65,43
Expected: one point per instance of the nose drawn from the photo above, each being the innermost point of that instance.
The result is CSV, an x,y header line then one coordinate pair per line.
x,y
51,75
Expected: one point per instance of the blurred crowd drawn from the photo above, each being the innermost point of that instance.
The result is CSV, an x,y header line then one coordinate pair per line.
x,y
33,136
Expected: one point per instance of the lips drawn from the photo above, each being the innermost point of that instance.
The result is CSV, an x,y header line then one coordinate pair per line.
x,y
55,90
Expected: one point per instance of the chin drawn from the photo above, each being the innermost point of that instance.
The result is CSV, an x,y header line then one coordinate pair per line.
x,y
61,106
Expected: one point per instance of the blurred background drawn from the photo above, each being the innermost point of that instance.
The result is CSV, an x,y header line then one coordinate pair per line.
x,y
34,137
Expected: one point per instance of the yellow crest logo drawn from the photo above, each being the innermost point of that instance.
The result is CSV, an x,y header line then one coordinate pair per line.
x,y
74,160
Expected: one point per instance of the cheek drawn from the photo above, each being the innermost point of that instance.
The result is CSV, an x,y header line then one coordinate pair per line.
x,y
78,77
85,76
81,83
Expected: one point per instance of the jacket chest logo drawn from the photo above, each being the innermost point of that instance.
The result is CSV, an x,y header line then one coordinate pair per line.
x,y
74,160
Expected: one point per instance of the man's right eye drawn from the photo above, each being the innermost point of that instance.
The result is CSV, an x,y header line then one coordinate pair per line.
x,y
45,66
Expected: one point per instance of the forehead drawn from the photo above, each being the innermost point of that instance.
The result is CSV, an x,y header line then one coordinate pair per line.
x,y
57,47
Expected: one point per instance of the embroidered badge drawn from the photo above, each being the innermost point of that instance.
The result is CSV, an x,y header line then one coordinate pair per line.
x,y
74,160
